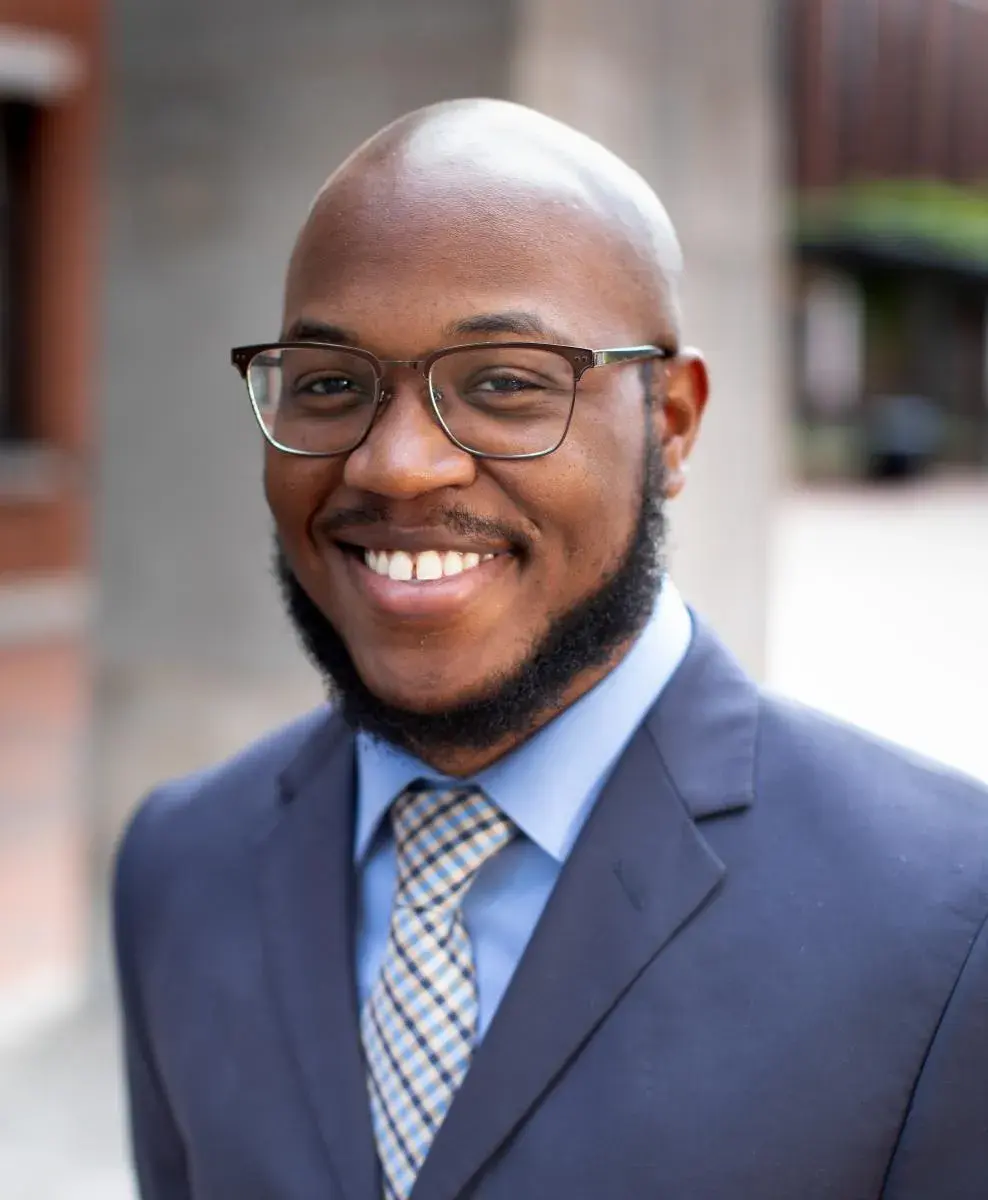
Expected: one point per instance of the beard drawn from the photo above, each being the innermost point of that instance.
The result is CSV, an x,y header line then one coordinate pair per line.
x,y
578,640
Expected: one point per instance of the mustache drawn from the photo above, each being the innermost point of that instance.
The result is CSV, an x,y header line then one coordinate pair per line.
x,y
449,517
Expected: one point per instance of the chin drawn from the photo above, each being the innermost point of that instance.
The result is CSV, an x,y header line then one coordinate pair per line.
x,y
425,693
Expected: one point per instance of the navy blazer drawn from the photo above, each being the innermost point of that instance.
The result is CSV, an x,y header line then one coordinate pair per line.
x,y
763,975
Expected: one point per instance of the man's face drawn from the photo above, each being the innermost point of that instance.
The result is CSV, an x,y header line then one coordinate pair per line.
x,y
399,280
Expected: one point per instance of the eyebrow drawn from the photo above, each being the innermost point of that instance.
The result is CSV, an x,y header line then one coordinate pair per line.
x,y
307,330
526,324
523,324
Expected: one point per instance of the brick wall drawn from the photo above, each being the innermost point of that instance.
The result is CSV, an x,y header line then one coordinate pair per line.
x,y
44,550
43,501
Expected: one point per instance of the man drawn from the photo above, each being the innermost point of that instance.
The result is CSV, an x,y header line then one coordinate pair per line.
x,y
553,902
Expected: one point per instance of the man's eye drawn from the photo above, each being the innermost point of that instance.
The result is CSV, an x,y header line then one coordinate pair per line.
x,y
504,384
327,385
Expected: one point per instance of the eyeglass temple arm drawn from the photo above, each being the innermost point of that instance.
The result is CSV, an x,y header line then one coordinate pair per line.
x,y
602,358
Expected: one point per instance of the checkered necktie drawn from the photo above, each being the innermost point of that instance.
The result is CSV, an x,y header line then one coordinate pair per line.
x,y
420,1021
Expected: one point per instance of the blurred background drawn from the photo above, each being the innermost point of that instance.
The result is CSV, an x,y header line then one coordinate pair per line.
x,y
826,162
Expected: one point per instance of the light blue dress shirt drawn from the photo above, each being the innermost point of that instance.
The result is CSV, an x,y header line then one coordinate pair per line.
x,y
547,787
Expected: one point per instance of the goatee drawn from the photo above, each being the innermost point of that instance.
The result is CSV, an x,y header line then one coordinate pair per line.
x,y
585,637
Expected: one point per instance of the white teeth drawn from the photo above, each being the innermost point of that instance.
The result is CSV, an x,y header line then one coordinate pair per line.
x,y
427,565
400,565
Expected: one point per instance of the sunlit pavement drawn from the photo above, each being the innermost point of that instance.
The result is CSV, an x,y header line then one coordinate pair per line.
x,y
60,1116
880,615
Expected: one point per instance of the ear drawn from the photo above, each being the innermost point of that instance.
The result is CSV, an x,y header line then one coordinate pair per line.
x,y
678,411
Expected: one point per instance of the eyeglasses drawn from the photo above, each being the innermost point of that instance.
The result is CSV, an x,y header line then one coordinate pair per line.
x,y
492,399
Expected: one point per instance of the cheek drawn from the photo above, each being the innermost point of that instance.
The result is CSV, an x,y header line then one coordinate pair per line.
x,y
296,489
606,461
589,493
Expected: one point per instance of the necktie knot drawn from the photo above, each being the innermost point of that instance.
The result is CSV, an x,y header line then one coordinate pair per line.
x,y
443,836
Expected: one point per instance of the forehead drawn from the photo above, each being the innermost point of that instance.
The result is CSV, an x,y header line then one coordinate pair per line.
x,y
421,261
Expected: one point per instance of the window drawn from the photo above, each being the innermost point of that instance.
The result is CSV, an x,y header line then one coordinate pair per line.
x,y
16,129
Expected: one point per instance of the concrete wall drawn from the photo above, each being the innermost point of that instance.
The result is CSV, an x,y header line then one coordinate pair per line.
x,y
685,92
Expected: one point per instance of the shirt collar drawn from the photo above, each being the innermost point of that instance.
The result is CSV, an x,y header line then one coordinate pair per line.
x,y
547,786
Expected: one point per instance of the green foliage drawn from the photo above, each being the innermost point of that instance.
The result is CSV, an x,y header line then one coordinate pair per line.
x,y
949,220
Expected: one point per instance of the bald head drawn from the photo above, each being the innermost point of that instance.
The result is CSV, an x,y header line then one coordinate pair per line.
x,y
510,170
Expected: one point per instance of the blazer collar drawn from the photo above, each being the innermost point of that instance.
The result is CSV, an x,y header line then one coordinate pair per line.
x,y
704,728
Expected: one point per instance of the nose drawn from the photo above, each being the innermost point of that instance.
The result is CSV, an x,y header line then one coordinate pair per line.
x,y
407,454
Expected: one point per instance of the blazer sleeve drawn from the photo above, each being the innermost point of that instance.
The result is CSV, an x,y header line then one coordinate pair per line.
x,y
943,1147
156,1142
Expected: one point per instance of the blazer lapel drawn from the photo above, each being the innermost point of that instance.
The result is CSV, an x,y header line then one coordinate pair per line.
x,y
307,888
640,871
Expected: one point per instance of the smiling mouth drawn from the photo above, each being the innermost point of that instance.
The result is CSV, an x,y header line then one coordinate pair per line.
x,y
430,587
424,566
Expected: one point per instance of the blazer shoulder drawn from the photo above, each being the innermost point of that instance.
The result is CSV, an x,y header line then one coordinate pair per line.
x,y
884,798
217,808
840,749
